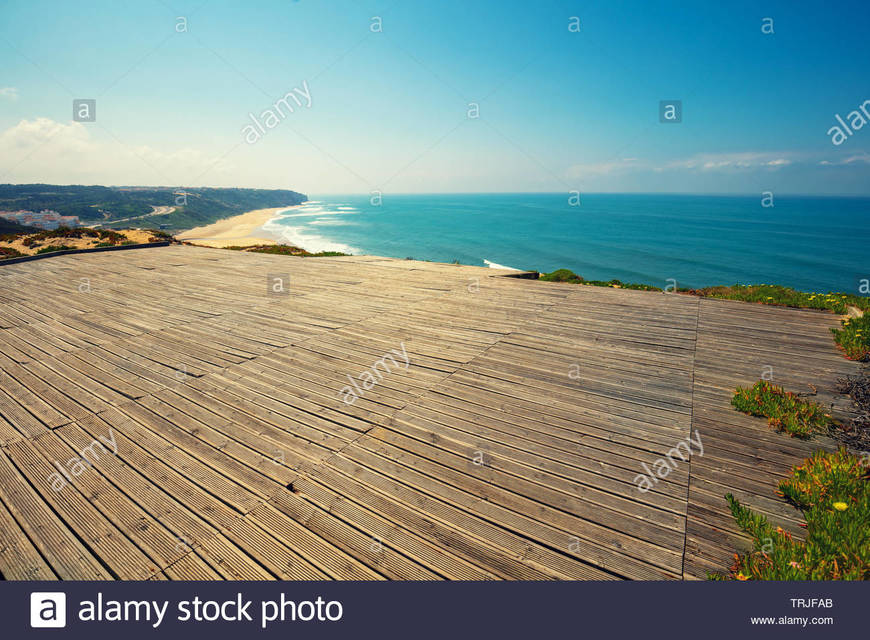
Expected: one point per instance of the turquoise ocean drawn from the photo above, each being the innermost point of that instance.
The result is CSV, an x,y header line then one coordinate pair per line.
x,y
810,243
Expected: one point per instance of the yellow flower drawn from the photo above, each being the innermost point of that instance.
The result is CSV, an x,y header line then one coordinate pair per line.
x,y
740,576
840,506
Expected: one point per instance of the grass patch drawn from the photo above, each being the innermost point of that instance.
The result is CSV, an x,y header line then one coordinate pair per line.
x,y
784,410
853,337
761,293
784,296
833,492
54,247
287,250
618,284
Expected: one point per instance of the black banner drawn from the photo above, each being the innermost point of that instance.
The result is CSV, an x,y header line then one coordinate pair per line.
x,y
435,610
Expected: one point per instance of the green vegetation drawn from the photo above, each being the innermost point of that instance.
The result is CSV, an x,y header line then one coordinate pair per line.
x,y
561,275
761,293
9,252
159,236
112,237
566,275
853,336
33,239
784,296
111,205
54,247
10,227
287,250
618,284
784,410
833,492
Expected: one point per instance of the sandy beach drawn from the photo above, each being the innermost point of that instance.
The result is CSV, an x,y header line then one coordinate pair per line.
x,y
237,231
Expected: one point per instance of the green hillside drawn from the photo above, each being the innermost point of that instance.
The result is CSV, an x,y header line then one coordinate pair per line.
x,y
123,206
8,226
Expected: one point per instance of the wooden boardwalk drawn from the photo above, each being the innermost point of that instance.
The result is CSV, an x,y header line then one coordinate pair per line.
x,y
163,415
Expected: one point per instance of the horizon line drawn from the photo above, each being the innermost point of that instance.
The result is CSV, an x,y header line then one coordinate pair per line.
x,y
458,193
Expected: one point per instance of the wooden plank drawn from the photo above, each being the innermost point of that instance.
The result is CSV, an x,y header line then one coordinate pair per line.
x,y
63,551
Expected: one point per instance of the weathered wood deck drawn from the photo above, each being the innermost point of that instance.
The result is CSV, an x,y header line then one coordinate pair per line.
x,y
508,448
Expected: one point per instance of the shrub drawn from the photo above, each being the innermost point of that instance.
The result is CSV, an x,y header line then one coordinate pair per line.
x,y
60,232
112,237
833,492
566,275
561,275
784,410
159,236
853,337
9,252
54,247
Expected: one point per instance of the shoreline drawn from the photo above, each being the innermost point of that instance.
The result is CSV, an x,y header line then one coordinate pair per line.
x,y
243,230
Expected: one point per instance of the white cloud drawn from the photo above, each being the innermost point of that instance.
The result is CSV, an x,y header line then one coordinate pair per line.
x,y
28,135
861,158
10,93
731,161
603,168
700,163
44,150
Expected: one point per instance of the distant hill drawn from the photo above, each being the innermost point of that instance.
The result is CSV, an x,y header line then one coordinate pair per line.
x,y
9,226
125,206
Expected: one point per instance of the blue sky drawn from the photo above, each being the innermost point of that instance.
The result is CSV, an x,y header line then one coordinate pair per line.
x,y
558,110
